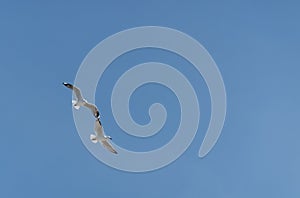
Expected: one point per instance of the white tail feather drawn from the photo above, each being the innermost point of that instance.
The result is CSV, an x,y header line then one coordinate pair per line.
x,y
93,138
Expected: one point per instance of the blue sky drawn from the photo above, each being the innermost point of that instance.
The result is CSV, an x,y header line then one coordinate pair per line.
x,y
256,47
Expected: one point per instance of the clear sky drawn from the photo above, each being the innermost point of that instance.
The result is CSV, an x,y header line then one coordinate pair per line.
x,y
256,47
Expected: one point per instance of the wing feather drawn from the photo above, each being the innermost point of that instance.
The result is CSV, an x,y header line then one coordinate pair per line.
x,y
108,146
76,90
93,108
99,129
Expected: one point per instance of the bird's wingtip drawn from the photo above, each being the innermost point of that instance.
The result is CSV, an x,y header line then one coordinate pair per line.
x,y
67,85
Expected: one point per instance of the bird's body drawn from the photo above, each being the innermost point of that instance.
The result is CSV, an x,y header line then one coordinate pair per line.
x,y
80,101
101,137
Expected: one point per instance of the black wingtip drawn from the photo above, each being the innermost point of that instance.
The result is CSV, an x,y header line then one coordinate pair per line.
x,y
67,85
98,120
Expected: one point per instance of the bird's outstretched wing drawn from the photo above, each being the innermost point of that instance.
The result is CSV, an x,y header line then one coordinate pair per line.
x,y
108,146
75,89
93,108
100,134
98,128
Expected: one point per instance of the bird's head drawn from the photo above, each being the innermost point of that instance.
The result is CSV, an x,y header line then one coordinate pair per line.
x,y
93,138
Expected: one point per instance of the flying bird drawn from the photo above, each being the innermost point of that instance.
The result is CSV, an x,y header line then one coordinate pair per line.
x,y
81,101
100,137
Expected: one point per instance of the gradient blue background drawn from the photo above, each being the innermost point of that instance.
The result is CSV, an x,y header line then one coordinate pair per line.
x,y
256,46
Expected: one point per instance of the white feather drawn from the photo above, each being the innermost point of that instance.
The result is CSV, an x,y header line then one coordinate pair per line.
x,y
93,138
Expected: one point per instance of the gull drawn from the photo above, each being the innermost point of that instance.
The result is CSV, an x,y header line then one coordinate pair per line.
x,y
81,101
100,137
